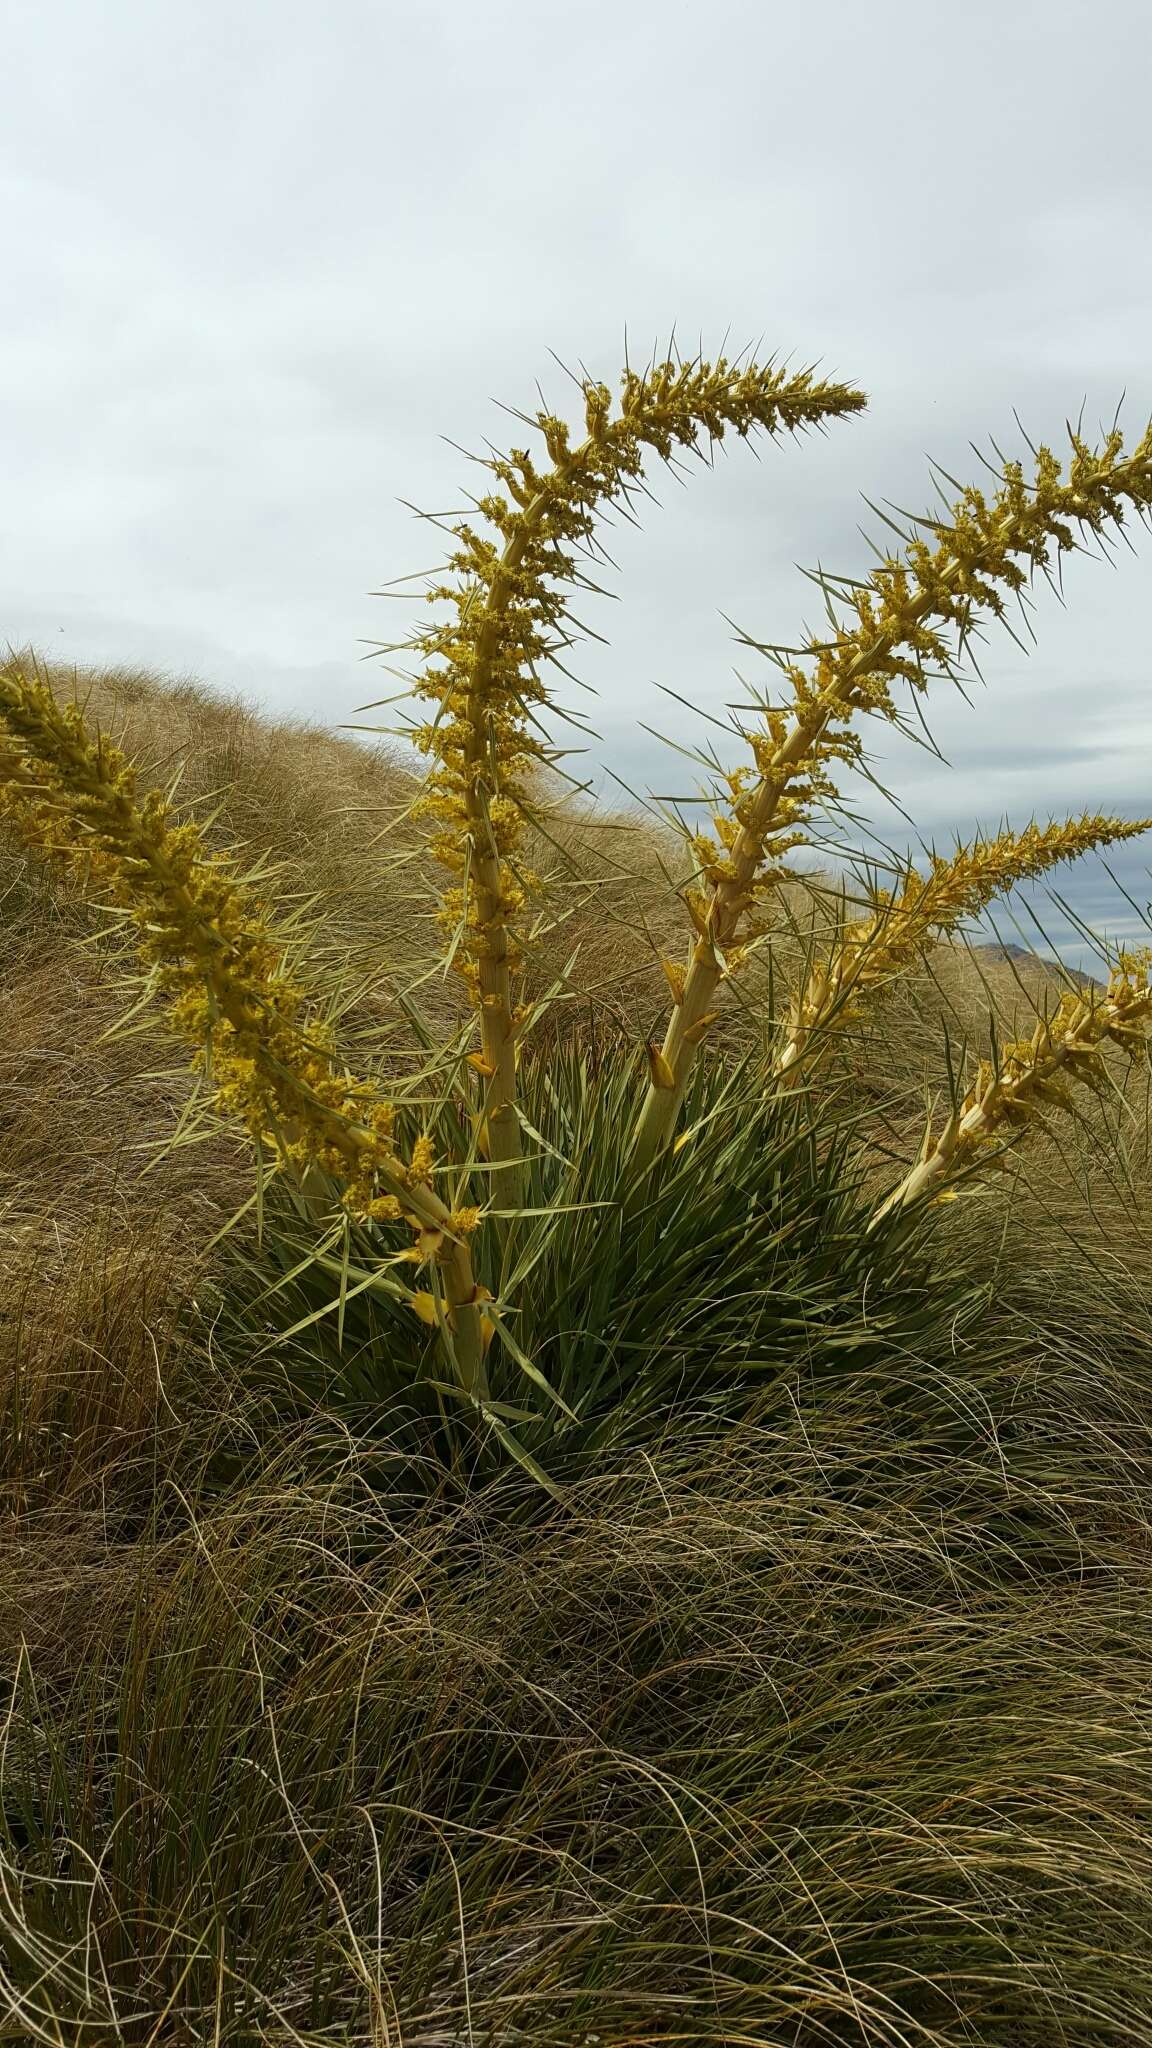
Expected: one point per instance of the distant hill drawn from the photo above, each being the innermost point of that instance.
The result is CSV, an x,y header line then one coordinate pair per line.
x,y
1023,956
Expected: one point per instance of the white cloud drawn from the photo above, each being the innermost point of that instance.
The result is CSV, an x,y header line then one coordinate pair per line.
x,y
258,260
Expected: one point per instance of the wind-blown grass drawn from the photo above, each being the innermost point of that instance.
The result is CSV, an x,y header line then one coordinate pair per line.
x,y
749,1745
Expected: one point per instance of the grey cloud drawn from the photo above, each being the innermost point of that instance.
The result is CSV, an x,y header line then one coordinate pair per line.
x,y
259,260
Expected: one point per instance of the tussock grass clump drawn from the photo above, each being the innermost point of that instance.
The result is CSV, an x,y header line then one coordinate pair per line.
x,y
742,1749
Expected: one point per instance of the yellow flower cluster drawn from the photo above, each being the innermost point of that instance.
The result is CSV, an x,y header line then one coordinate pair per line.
x,y
212,954
39,825
1008,1094
482,668
74,797
954,890
913,619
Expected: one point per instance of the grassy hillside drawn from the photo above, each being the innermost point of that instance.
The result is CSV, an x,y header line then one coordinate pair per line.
x,y
816,1709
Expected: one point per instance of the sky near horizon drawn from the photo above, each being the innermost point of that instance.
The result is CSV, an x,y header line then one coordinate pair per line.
x,y
265,262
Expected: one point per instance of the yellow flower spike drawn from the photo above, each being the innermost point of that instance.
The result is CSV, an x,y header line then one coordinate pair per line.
x,y
869,952
910,622
1066,1048
507,600
423,1304
218,965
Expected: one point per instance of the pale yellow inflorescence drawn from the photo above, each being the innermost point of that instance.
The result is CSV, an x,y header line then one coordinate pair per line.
x,y
74,797
511,601
867,953
911,620
484,668
1008,1094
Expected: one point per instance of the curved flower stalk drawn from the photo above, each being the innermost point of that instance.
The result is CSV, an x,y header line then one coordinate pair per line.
x,y
1008,1095
222,970
910,621
510,617
38,823
868,953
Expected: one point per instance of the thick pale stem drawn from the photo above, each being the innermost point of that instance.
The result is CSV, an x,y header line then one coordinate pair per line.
x,y
502,1135
729,902
464,1319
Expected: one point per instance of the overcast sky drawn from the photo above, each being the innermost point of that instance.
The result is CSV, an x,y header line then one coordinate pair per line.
x,y
261,257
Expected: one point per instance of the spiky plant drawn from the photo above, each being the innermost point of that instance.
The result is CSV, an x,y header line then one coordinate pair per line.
x,y
485,669
1012,1091
211,952
869,952
818,1710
